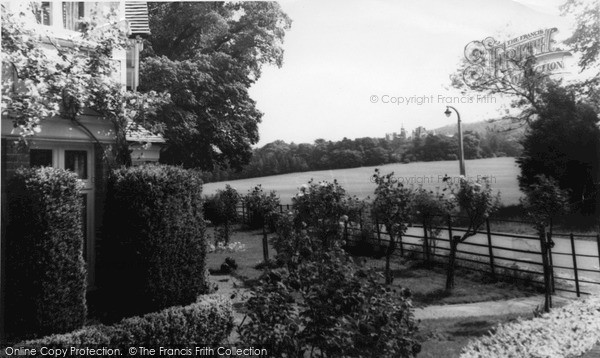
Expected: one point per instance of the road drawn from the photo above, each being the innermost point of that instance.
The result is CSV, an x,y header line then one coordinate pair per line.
x,y
528,256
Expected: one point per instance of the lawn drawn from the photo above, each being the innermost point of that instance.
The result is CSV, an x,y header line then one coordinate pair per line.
x,y
501,171
426,284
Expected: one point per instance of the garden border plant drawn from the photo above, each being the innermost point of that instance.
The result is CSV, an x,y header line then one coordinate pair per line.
x,y
568,331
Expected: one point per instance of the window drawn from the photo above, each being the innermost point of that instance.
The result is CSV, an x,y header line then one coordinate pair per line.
x,y
40,158
42,13
72,12
76,161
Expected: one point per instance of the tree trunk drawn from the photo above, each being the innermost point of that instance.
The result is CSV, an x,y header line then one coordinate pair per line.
x,y
265,243
451,263
426,242
545,263
388,274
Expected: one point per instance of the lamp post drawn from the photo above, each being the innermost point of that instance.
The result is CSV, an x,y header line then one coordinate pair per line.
x,y
461,156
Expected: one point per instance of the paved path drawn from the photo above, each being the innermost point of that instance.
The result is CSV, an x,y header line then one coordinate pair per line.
x,y
594,353
232,288
522,305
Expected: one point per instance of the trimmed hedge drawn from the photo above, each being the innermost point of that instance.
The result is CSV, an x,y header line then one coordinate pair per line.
x,y
568,331
209,321
154,256
45,271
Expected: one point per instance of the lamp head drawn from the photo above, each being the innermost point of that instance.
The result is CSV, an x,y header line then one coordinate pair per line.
x,y
447,112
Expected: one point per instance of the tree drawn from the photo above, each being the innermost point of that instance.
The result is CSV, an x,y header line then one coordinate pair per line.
x,y
263,209
544,201
391,207
477,201
431,209
564,144
585,41
207,55
226,201
471,142
43,79
515,78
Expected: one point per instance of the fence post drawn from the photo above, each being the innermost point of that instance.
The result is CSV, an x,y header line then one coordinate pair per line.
x,y
401,245
346,231
598,245
449,231
244,212
425,241
360,219
491,250
378,230
550,258
545,264
575,265
265,241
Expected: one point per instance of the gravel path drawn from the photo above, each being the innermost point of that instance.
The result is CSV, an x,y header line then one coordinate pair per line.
x,y
490,308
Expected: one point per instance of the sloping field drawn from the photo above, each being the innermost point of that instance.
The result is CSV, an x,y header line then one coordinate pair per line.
x,y
357,181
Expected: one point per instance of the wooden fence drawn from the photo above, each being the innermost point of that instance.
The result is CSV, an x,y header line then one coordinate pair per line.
x,y
574,260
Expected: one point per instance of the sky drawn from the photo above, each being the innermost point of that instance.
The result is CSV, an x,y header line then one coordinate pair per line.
x,y
346,61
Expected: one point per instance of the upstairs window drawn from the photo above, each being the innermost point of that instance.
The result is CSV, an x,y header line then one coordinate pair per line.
x,y
72,12
42,13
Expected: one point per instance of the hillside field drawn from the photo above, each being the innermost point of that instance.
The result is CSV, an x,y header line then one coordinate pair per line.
x,y
357,181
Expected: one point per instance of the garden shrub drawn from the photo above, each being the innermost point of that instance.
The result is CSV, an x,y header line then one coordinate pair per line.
x,y
320,208
391,207
45,271
332,308
430,209
155,247
222,208
262,208
565,332
208,321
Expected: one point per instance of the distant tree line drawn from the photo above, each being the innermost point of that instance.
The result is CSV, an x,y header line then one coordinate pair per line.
x,y
280,157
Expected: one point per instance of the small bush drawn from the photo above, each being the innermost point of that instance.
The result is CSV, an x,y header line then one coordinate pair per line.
x,y
155,249
222,208
565,332
209,321
262,208
329,305
46,277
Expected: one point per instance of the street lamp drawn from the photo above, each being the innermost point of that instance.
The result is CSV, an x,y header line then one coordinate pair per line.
x,y
461,157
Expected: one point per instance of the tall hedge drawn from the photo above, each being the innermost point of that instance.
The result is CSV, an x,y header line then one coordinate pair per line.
x,y
154,252
46,276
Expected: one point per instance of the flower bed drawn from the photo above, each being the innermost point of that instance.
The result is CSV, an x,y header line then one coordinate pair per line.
x,y
565,332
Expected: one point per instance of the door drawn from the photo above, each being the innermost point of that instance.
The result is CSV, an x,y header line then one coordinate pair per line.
x,y
77,158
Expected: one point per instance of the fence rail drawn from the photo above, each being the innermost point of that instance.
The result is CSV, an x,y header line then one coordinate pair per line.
x,y
571,260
